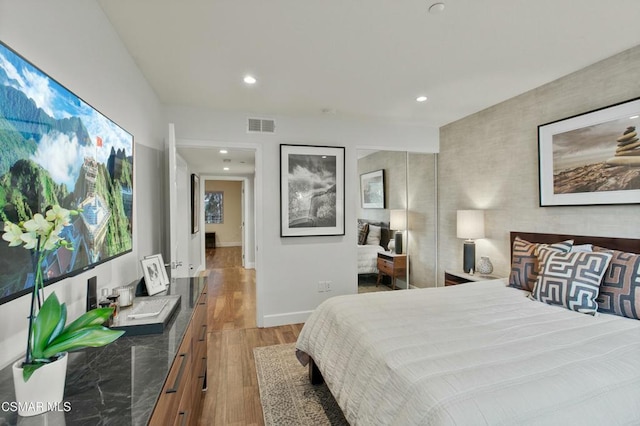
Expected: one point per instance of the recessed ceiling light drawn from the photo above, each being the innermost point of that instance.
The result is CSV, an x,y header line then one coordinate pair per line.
x,y
225,168
421,98
436,8
249,79
223,151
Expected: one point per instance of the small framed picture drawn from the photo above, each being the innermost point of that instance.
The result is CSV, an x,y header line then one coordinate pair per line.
x,y
155,275
372,190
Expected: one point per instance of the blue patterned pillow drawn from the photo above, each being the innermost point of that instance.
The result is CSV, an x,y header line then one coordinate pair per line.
x,y
570,279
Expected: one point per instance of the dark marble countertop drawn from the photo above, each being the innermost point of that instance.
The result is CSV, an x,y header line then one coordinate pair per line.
x,y
117,384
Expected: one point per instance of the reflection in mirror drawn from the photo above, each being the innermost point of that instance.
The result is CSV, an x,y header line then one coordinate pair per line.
x,y
422,219
409,211
380,267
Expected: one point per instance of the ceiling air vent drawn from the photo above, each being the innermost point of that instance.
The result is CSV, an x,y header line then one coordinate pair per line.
x,y
259,125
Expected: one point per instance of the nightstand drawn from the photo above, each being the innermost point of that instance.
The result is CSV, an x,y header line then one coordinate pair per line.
x,y
393,265
459,277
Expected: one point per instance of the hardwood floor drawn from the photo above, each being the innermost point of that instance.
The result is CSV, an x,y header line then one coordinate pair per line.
x,y
232,397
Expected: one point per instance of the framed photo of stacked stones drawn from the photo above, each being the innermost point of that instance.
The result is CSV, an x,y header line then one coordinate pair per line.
x,y
591,158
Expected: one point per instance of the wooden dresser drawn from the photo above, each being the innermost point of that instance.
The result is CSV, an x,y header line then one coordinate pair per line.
x,y
181,399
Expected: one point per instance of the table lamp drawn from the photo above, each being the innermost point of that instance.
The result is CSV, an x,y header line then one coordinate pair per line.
x,y
398,222
470,227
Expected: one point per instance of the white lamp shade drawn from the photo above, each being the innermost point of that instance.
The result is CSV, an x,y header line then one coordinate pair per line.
x,y
398,220
470,224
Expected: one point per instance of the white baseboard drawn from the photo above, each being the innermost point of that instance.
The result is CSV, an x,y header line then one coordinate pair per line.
x,y
250,265
285,319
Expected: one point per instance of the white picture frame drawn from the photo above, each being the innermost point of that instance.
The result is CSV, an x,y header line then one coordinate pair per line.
x,y
155,275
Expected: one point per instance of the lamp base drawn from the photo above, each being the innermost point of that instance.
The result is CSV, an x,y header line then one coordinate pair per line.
x,y
469,258
398,241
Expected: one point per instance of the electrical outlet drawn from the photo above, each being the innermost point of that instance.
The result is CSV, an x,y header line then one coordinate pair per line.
x,y
327,285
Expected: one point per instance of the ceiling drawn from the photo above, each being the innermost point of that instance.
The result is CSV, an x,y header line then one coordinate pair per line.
x,y
365,59
240,162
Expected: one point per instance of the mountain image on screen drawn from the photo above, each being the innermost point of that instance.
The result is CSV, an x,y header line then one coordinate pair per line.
x,y
56,149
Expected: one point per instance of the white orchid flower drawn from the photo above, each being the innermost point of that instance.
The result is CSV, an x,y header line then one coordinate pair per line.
x,y
59,215
12,234
38,225
30,240
51,242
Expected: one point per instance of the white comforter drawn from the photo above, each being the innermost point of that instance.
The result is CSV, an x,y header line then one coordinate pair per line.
x,y
368,259
478,353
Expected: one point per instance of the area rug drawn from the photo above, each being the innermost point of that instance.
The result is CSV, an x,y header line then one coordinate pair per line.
x,y
287,395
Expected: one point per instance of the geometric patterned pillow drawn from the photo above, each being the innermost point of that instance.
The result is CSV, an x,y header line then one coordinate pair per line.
x,y
363,230
524,263
620,288
571,279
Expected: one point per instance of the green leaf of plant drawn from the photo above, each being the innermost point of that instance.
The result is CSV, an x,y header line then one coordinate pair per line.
x,y
94,317
61,322
28,370
45,323
94,336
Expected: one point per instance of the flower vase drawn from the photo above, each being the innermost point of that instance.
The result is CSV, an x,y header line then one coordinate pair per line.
x,y
45,388
484,266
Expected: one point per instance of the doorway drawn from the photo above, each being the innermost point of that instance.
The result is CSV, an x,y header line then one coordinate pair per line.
x,y
224,219
216,162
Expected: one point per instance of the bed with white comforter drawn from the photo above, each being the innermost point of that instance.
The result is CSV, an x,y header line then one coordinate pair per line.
x,y
478,353
368,258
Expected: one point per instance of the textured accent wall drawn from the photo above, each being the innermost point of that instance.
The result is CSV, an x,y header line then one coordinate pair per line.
x,y
489,160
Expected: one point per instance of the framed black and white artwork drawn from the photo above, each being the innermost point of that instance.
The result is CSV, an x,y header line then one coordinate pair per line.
x,y
311,190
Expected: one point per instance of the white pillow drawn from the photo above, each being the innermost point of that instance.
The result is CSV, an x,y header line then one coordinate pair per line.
x,y
373,238
583,248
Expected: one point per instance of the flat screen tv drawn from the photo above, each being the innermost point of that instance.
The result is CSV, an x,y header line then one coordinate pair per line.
x,y
56,149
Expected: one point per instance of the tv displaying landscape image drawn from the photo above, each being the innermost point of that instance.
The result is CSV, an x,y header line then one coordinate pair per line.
x,y
57,149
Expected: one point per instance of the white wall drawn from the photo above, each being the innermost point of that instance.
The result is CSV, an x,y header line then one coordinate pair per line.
x,y
288,269
73,42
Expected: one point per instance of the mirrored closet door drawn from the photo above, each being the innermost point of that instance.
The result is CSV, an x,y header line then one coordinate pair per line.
x,y
397,206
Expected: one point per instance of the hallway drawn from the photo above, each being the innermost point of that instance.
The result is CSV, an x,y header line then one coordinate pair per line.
x,y
233,397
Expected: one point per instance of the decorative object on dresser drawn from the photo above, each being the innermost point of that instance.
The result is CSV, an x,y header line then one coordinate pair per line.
x,y
484,266
372,190
311,190
393,265
398,223
470,226
591,158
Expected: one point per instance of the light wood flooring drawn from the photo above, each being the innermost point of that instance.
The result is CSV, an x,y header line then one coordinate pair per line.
x,y
232,397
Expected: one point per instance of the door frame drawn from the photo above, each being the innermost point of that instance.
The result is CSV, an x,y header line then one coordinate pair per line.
x,y
243,198
257,207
